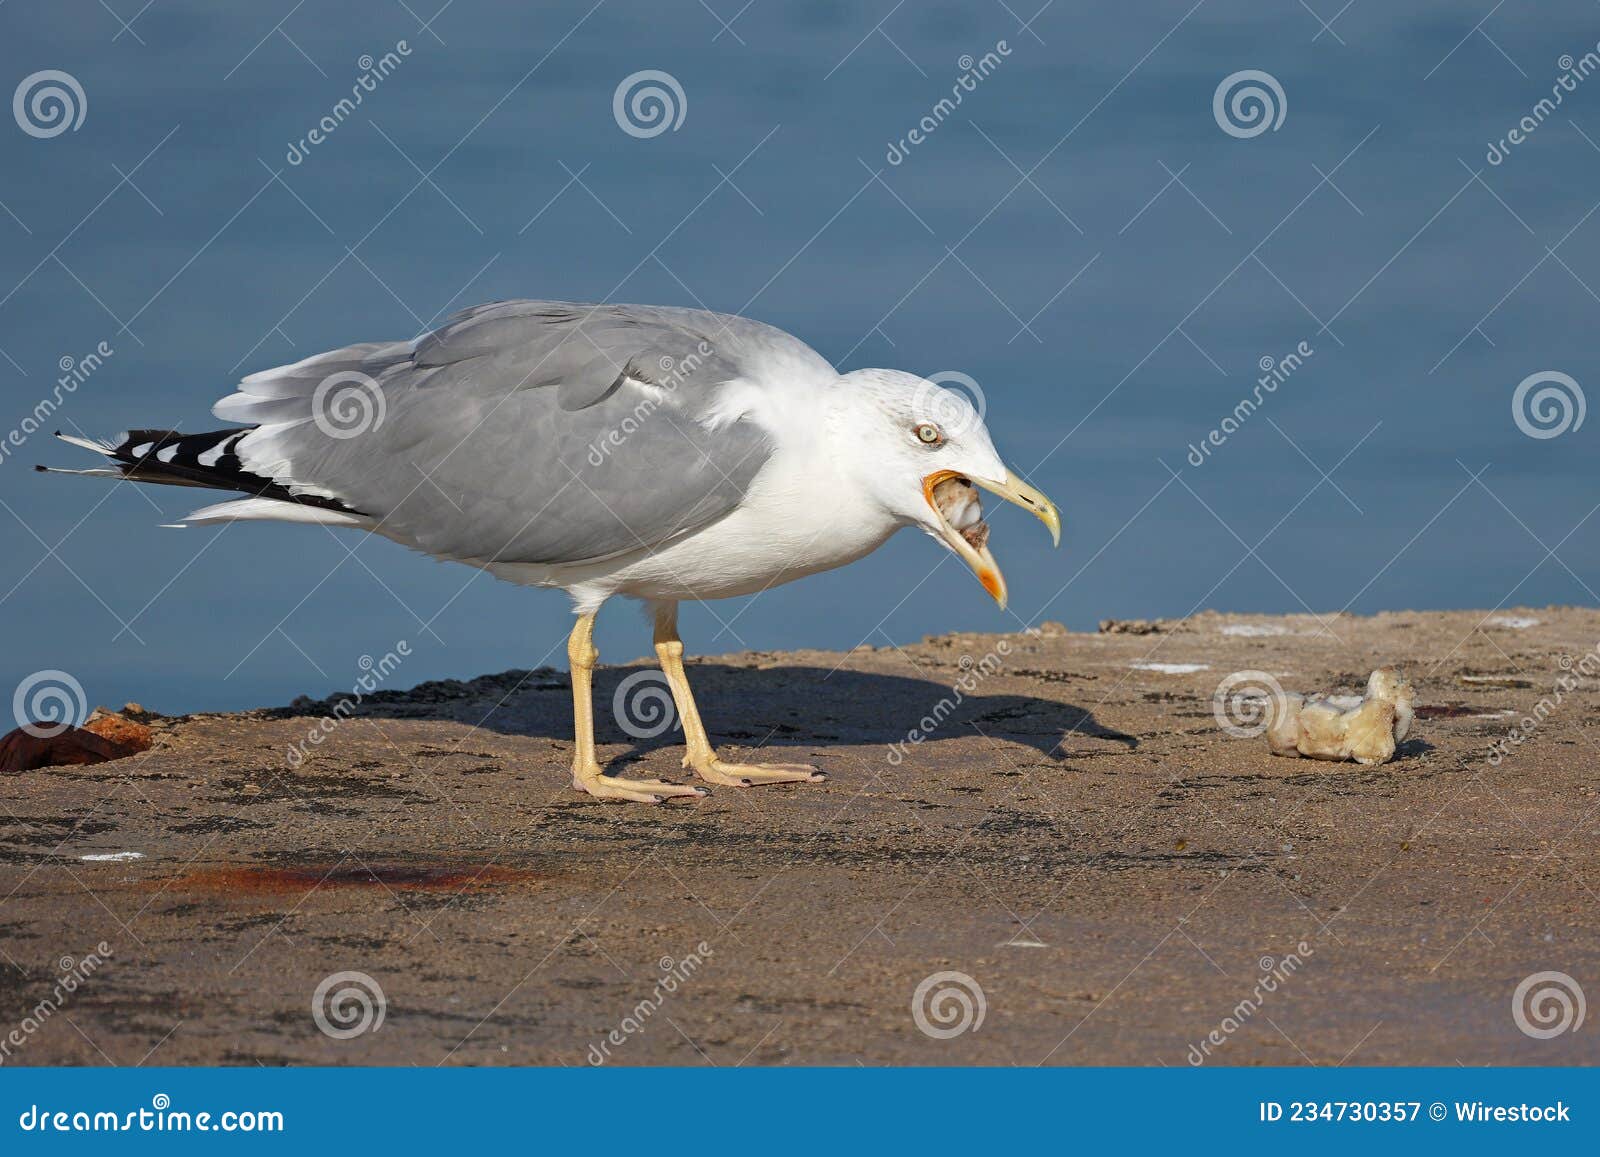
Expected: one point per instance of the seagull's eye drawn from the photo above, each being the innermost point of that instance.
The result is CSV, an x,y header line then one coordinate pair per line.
x,y
928,434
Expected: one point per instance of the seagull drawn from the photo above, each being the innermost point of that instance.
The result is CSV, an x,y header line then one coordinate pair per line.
x,y
656,453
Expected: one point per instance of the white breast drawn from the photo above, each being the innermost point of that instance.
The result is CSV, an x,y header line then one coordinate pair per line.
x,y
797,519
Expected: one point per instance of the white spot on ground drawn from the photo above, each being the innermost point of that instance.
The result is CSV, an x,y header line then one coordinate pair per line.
x,y
1254,630
1515,622
1171,668
111,857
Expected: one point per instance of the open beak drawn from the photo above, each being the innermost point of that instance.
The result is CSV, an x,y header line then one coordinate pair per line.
x,y
976,553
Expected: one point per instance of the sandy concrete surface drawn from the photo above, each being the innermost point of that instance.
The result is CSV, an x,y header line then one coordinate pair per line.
x,y
1113,876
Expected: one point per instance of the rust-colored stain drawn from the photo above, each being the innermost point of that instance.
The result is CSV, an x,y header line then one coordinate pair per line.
x,y
301,878
1450,711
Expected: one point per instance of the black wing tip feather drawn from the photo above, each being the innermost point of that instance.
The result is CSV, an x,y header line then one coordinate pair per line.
x,y
135,453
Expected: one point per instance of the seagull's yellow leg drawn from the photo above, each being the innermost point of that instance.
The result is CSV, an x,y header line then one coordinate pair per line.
x,y
586,773
701,756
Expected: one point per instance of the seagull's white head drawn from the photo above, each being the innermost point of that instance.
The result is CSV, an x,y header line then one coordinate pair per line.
x,y
919,449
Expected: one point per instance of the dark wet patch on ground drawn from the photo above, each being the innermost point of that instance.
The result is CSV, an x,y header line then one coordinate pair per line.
x,y
1453,711
397,877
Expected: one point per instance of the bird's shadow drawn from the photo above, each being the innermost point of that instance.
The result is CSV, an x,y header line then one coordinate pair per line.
x,y
753,707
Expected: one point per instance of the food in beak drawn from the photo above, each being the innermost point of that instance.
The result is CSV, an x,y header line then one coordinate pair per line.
x,y
954,498
957,500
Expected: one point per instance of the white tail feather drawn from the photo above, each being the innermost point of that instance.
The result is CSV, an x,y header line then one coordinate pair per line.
x,y
271,510
100,472
86,443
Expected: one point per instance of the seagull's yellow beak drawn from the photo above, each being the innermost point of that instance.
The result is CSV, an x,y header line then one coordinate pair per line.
x,y
973,547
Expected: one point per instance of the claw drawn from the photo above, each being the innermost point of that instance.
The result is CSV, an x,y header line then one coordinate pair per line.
x,y
716,771
652,791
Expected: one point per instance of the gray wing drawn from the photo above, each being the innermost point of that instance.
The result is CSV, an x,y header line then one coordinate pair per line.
x,y
528,431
